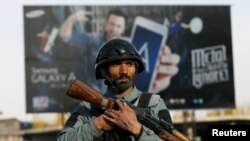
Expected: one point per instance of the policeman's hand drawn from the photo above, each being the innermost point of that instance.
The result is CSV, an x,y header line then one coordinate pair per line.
x,y
125,118
102,124
166,69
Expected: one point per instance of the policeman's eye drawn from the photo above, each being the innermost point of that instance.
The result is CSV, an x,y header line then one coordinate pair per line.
x,y
130,63
116,64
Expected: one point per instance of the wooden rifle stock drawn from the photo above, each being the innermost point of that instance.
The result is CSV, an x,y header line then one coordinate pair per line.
x,y
167,136
82,91
179,135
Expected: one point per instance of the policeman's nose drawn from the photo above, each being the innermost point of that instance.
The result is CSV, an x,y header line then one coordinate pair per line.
x,y
123,69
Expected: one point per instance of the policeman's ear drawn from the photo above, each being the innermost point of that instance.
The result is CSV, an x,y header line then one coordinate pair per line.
x,y
105,69
103,72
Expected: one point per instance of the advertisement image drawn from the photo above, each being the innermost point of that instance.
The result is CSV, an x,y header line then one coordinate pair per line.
x,y
186,50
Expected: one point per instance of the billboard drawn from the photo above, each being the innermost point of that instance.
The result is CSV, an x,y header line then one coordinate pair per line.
x,y
61,43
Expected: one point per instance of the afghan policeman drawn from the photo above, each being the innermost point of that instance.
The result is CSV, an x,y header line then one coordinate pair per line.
x,y
118,63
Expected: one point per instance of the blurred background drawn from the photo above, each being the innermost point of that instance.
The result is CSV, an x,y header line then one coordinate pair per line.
x,y
37,111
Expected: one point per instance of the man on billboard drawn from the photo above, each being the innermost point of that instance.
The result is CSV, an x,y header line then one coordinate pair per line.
x,y
114,27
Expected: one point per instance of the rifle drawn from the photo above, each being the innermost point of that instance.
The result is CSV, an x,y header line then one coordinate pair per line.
x,y
163,129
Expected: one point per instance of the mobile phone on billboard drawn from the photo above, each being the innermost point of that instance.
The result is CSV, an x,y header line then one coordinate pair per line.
x,y
148,37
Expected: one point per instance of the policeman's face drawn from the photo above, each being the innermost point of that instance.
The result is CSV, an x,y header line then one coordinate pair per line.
x,y
114,27
122,73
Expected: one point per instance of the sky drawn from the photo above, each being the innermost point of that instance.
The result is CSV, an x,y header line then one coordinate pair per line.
x,y
12,72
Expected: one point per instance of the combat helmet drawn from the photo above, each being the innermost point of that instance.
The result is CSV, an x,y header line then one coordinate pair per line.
x,y
115,50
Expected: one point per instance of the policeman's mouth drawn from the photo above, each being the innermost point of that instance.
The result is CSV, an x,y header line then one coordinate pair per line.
x,y
123,79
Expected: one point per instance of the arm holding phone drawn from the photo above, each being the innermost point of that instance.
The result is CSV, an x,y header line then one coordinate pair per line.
x,y
67,27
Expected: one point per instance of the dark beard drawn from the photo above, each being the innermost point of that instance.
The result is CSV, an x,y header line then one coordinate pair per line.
x,y
120,86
